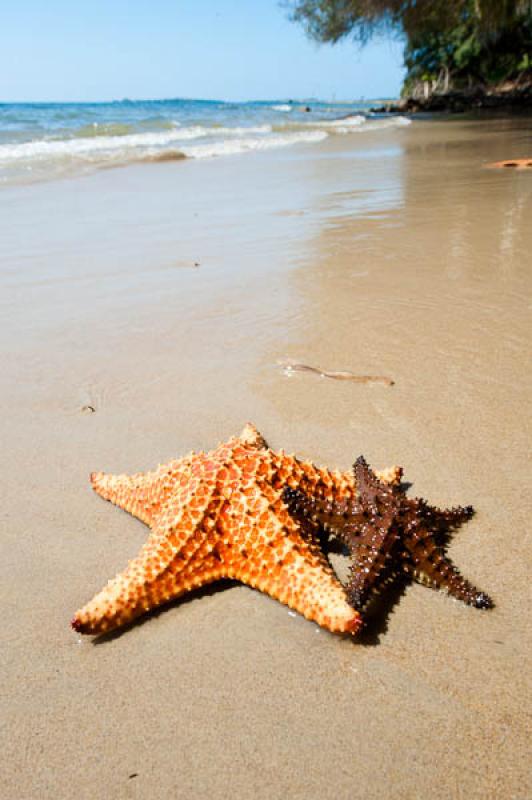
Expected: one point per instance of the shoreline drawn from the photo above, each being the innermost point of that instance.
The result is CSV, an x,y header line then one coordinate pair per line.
x,y
43,142
397,255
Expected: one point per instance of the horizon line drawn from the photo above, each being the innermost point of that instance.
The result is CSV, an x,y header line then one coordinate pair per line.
x,y
287,101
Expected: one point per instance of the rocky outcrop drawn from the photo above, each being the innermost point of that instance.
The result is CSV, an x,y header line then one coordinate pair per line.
x,y
510,96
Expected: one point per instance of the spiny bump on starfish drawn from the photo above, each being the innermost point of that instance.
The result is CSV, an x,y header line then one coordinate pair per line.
x,y
386,532
221,515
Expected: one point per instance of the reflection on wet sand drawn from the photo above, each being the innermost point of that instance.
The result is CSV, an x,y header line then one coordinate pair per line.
x,y
426,280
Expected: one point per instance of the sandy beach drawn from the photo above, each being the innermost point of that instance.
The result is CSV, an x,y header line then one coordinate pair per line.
x,y
144,312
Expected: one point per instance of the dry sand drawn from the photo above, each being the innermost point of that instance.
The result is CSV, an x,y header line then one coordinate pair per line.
x,y
395,253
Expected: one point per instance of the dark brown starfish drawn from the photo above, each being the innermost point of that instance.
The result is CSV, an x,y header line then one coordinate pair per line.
x,y
386,532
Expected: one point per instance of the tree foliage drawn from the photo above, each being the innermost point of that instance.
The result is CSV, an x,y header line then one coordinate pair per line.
x,y
465,41
463,55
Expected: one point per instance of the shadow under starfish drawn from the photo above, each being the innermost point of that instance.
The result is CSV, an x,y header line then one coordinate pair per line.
x,y
388,533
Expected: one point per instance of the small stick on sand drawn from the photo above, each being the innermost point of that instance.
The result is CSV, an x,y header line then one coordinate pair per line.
x,y
295,366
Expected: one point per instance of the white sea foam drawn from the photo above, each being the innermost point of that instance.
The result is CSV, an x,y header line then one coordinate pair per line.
x,y
224,148
357,122
43,159
391,122
101,146
352,121
282,107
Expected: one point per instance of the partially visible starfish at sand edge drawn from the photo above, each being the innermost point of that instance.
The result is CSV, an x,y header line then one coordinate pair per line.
x,y
221,515
387,533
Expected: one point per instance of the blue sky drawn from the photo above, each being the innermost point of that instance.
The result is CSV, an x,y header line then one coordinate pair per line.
x,y
222,49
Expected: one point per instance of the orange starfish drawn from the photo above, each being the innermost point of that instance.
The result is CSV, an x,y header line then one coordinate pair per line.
x,y
221,515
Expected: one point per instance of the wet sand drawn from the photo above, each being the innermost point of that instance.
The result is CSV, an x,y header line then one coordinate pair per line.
x,y
394,254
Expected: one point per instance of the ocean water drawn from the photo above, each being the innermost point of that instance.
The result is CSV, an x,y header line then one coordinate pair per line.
x,y
42,141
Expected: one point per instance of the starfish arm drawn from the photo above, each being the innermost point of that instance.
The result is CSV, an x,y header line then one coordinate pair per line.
x,y
170,564
446,518
286,563
455,515
310,589
177,557
441,573
138,590
371,559
143,494
332,515
371,489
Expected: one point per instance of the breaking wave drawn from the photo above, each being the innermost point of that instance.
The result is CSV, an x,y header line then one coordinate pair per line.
x,y
45,142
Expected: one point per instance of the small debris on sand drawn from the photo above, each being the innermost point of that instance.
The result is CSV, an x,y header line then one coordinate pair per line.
x,y
512,163
289,367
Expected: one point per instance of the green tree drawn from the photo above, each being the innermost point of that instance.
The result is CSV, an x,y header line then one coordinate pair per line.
x,y
449,43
